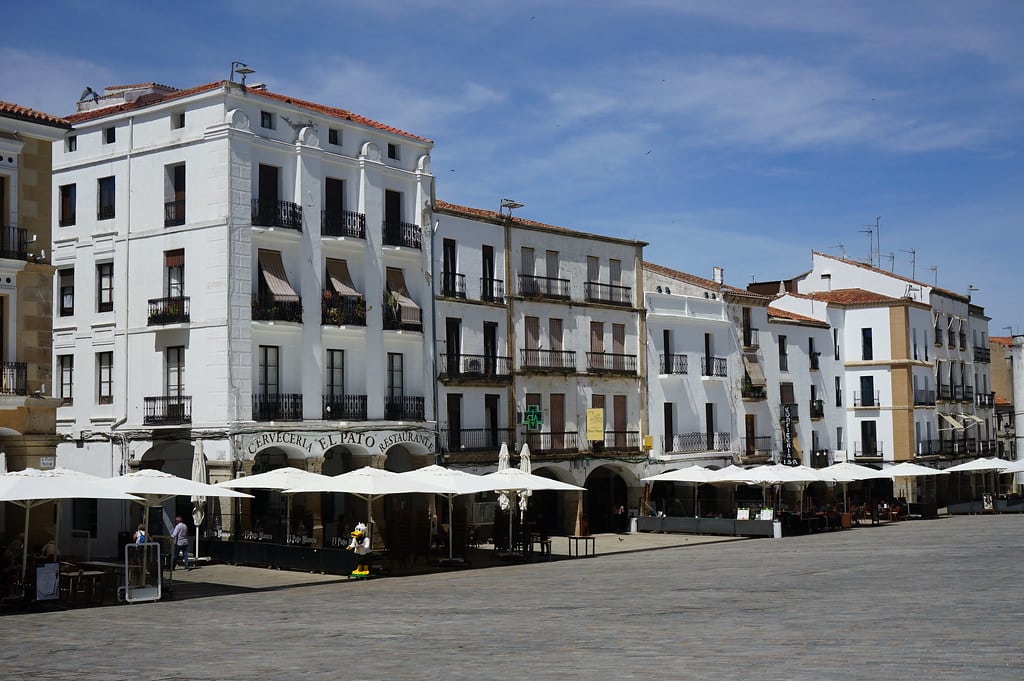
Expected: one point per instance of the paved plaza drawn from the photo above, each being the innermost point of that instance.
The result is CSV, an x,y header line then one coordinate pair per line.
x,y
935,599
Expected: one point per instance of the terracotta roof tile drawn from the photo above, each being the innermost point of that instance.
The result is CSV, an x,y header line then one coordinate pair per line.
x,y
700,281
794,317
24,113
852,296
872,268
1002,401
1001,340
160,98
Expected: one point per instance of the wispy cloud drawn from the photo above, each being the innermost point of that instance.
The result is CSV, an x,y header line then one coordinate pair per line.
x,y
49,82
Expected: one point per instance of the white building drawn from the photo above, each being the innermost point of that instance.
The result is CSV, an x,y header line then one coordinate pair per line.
x,y
247,270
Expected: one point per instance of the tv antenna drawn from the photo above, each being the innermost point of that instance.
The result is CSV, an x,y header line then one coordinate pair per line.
x,y
874,233
892,261
912,261
871,244
841,247
935,274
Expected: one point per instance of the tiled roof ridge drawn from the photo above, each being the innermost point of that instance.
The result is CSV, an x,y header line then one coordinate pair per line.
x,y
133,86
32,115
1002,340
866,266
793,316
91,114
682,276
851,296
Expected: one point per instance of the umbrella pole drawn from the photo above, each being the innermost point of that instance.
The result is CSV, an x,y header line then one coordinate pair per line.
x,y
451,522
24,549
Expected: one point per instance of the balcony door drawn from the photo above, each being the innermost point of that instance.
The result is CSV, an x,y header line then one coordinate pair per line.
x,y
491,403
619,423
709,425
868,443
551,258
174,372
598,402
453,337
597,338
269,184
396,375
487,272
491,348
334,196
750,434
174,266
448,267
557,427
454,422
527,261
619,346
392,207
614,272
269,370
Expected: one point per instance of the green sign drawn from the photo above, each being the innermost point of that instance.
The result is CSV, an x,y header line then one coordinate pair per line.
x,y
532,418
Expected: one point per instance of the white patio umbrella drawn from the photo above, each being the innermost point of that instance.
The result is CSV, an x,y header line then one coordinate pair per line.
x,y
692,475
31,487
512,481
524,466
910,470
279,479
845,472
1013,466
770,475
982,465
449,483
199,474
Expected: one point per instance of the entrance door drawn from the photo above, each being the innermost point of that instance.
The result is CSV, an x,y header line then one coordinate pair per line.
x,y
491,403
709,425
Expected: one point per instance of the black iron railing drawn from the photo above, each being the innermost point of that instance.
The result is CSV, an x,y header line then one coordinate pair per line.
x,y
789,409
985,400
343,223
611,294
273,213
474,366
13,378
968,394
551,442
174,213
492,290
869,449
13,243
611,362
713,366
396,233
700,442
475,439
759,447
868,399
564,360
266,309
344,407
982,354
673,364
820,458
167,410
929,447
817,409
338,310
453,285
622,439
945,391
173,310
402,408
924,397
532,286
277,407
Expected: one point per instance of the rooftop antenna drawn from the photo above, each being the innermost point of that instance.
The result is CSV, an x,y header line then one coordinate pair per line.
x,y
507,206
935,273
871,243
241,69
912,261
971,288
892,261
841,247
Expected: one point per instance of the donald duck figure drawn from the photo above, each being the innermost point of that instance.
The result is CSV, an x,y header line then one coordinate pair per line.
x,y
360,543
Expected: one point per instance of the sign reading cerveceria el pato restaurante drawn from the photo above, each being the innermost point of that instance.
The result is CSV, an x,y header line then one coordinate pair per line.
x,y
316,443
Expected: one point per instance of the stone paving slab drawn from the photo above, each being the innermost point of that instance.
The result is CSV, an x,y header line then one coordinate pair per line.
x,y
933,599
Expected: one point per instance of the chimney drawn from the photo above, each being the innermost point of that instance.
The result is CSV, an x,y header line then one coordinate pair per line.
x,y
718,275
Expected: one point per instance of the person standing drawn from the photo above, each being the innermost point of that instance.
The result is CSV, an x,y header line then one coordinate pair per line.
x,y
179,539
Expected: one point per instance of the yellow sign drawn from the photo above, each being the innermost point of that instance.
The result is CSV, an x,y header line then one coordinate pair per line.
x,y
648,442
595,425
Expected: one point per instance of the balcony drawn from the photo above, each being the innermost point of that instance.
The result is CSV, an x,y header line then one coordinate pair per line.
x,y
277,407
938,337
820,458
967,393
790,410
397,233
474,369
622,440
958,393
869,399
814,361
543,287
453,285
868,450
563,361
13,378
174,213
551,442
173,310
394,320
756,449
475,439
750,340
691,443
987,448
817,409
945,392
924,398
673,364
610,363
982,355
13,243
338,310
596,292
492,290
929,447
402,408
749,391
346,223
344,407
713,367
273,213
985,400
266,309
167,410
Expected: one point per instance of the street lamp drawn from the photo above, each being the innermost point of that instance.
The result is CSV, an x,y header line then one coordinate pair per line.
x,y
241,69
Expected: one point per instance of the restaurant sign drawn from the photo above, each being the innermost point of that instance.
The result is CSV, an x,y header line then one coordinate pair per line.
x,y
316,443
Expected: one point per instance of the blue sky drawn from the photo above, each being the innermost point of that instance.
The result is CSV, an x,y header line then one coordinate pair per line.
x,y
738,134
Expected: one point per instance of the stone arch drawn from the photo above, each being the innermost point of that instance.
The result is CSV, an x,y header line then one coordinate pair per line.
x,y
406,456
606,499
174,457
551,512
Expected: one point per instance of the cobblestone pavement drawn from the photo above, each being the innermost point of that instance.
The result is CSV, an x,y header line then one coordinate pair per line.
x,y
935,599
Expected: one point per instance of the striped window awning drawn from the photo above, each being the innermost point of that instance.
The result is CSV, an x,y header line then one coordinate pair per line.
x,y
409,310
274,276
339,278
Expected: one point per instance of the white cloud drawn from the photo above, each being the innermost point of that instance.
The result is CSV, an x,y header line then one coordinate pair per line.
x,y
49,82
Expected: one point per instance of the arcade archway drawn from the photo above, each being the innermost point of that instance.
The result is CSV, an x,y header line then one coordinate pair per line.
x,y
606,502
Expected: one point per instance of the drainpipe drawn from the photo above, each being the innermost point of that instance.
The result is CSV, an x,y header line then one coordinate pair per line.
x,y
438,457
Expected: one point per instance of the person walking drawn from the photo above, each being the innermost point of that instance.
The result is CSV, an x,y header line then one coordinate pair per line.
x,y
179,538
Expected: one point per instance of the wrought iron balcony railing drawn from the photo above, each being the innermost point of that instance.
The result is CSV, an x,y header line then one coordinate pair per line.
x,y
868,449
551,442
790,410
562,360
167,410
470,367
757,449
611,294
673,364
821,458
277,407
610,362
945,392
344,407
394,320
929,447
475,439
402,408
343,223
985,400
338,310
868,399
397,233
924,398
13,243
982,354
689,443
273,213
266,309
492,290
174,213
543,287
173,310
13,378
453,285
817,409
622,439
713,366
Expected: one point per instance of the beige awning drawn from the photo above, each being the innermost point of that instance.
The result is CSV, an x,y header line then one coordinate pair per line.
x,y
409,310
973,418
951,421
341,281
272,270
753,368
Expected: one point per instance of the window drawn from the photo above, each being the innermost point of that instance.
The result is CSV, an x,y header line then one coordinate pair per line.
x,y
104,377
839,391
66,282
109,135
868,441
835,342
783,355
396,386
335,373
334,136
268,369
866,346
839,437
105,287
266,120
105,196
177,120
174,264
67,205
71,143
174,370
867,391
66,363
812,354
393,151
174,195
